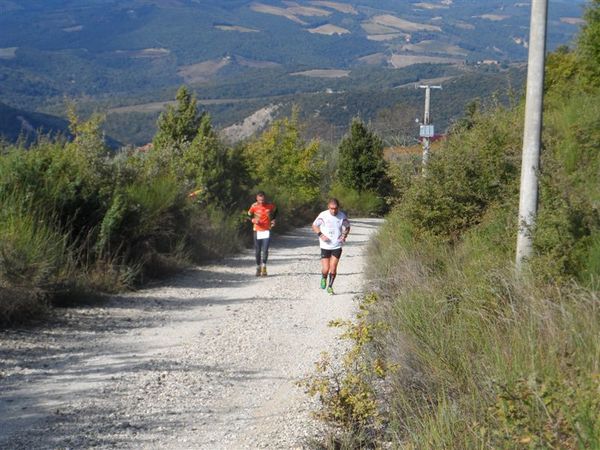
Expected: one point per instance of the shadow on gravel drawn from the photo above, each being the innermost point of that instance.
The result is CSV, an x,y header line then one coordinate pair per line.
x,y
96,425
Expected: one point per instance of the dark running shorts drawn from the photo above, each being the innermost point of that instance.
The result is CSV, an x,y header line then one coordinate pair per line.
x,y
329,253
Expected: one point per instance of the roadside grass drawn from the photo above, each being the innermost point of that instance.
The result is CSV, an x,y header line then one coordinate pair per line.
x,y
486,359
19,305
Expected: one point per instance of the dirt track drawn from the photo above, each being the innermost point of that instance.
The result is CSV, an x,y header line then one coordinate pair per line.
x,y
207,360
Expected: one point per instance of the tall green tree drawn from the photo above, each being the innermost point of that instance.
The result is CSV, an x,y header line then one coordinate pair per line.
x,y
361,163
179,124
589,44
208,163
187,145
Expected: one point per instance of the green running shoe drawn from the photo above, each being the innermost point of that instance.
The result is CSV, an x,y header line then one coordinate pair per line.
x,y
264,271
323,283
330,290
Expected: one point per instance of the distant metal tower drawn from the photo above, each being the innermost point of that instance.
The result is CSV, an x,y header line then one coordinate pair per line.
x,y
532,135
426,129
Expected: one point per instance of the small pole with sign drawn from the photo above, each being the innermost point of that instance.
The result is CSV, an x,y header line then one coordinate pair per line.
x,y
427,131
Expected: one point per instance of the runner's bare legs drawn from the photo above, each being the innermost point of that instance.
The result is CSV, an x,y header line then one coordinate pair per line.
x,y
329,267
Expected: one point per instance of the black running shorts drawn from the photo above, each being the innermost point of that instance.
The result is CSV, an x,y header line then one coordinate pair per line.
x,y
329,253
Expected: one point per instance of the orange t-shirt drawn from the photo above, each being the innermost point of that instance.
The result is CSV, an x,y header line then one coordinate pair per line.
x,y
264,213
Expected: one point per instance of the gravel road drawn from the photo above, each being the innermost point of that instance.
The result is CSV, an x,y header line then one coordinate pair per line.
x,y
206,360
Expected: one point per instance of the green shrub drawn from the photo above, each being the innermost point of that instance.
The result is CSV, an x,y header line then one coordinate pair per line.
x,y
32,252
20,304
287,168
358,204
588,48
402,172
476,168
77,219
569,211
214,233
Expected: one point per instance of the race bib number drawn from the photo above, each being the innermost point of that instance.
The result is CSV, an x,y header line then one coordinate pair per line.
x,y
263,234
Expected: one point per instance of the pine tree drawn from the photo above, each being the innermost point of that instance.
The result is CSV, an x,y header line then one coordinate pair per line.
x,y
179,125
361,163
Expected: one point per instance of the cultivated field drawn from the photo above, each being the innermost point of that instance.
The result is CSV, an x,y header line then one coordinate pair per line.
x,y
341,7
572,20
493,17
8,52
73,29
399,61
429,5
385,37
276,11
374,59
329,30
153,107
236,28
308,11
323,73
150,53
431,46
203,71
388,20
464,25
375,29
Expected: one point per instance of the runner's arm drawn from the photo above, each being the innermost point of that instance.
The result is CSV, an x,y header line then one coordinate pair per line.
x,y
316,227
345,229
251,216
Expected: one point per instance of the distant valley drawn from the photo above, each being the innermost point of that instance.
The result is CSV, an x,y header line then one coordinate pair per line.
x,y
127,58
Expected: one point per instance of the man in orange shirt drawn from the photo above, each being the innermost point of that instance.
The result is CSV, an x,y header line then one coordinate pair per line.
x,y
262,215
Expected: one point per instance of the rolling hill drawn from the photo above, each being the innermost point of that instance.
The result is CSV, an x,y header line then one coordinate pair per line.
x,y
108,53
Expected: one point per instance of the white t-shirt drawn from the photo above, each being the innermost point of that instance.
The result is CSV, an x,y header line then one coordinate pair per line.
x,y
331,226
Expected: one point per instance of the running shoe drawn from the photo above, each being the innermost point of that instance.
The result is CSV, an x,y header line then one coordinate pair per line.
x,y
323,283
330,290
258,271
264,271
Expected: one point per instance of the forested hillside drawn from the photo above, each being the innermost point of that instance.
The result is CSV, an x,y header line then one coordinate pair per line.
x,y
243,55
454,349
15,123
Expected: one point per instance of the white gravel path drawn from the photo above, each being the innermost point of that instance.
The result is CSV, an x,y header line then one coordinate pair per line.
x,y
207,360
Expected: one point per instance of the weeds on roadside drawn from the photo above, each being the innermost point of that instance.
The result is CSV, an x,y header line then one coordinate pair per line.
x,y
347,389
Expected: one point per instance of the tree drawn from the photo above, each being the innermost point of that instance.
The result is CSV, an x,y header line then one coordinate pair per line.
x,y
187,146
284,164
589,44
205,160
361,163
179,125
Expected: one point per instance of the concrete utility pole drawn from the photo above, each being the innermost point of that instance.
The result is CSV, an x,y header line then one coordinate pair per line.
x,y
532,134
426,130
